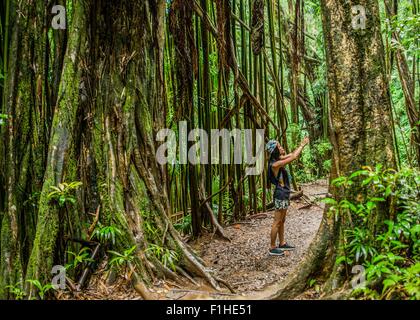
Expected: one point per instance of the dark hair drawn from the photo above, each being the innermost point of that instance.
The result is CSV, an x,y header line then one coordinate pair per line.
x,y
275,155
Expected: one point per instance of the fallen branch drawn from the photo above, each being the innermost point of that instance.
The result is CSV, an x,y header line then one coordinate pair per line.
x,y
203,292
239,222
243,282
310,202
258,216
219,229
306,206
296,195
71,286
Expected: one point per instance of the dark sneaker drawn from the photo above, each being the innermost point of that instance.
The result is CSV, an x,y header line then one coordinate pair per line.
x,y
286,247
276,252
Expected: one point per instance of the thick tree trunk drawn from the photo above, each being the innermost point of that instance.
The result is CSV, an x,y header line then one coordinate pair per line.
x,y
27,104
64,129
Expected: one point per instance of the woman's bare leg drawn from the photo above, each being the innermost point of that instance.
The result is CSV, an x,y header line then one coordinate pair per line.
x,y
275,227
281,226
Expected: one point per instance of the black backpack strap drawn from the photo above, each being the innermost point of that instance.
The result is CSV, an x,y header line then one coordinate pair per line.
x,y
285,176
273,179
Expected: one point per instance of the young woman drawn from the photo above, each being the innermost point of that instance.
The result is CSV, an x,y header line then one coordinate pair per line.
x,y
278,175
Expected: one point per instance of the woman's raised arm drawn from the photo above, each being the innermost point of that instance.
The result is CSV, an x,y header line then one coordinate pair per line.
x,y
291,156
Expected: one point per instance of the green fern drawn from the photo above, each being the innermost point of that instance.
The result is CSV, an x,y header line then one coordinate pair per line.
x,y
42,289
169,258
83,257
17,291
106,234
120,260
64,193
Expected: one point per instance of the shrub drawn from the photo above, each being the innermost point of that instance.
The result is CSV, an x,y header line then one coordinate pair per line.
x,y
390,255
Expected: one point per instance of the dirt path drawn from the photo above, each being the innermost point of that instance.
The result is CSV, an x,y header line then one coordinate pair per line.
x,y
245,261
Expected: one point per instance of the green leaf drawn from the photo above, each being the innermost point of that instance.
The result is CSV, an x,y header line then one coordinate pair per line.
x,y
130,251
366,181
341,259
378,258
329,201
415,229
115,253
377,199
388,190
339,181
370,205
35,283
388,282
348,205
358,173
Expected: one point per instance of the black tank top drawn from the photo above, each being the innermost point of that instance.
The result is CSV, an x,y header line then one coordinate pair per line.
x,y
280,192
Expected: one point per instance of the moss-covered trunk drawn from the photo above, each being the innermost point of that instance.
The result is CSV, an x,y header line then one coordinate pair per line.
x,y
63,135
27,104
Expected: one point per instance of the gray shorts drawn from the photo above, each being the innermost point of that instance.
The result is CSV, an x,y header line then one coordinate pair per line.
x,y
281,204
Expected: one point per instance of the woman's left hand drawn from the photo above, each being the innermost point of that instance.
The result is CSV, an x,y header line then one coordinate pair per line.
x,y
305,141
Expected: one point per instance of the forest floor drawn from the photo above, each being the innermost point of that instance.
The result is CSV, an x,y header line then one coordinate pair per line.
x,y
244,262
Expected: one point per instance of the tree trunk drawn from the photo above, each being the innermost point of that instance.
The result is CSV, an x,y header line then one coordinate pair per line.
x,y
27,104
64,126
